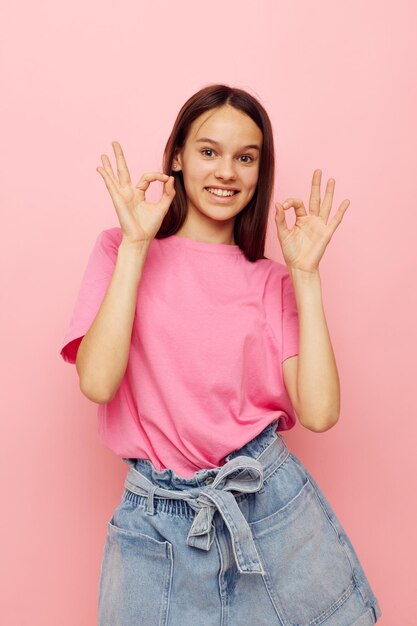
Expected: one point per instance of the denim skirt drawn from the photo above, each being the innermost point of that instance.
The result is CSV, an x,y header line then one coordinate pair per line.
x,y
251,542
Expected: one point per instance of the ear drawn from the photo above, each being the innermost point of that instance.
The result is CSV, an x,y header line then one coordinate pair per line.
x,y
177,162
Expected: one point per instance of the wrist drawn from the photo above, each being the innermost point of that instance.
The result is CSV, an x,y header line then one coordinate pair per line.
x,y
304,275
134,248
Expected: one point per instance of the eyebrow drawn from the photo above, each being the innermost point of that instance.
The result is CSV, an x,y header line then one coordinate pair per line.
x,y
206,139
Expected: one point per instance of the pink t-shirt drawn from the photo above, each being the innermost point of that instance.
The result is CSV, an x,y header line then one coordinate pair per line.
x,y
210,333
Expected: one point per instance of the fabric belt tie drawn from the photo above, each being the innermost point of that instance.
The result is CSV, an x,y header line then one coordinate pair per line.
x,y
248,478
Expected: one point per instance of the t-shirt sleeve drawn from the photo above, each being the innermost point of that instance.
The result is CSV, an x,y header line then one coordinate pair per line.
x,y
290,324
96,279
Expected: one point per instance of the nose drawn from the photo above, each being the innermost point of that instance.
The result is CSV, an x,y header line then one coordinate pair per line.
x,y
225,170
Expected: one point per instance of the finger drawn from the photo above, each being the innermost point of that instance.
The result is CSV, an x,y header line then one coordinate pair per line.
x,y
150,176
338,216
122,170
107,166
113,190
298,205
146,179
328,200
281,222
168,194
169,187
315,193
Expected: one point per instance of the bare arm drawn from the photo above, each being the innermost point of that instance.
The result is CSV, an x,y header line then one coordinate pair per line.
x,y
311,378
104,350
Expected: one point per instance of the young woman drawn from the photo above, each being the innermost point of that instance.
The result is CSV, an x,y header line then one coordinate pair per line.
x,y
198,350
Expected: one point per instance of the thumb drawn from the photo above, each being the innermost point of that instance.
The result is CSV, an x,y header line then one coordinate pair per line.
x,y
280,219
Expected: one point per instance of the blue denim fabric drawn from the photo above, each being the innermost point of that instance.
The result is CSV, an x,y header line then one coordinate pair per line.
x,y
252,542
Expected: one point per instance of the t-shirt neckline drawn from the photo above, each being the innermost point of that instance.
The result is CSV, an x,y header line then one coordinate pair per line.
x,y
203,246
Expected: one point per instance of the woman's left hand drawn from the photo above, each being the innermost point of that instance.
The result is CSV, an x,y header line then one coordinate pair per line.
x,y
304,245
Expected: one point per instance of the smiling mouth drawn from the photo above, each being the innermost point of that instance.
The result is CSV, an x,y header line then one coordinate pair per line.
x,y
221,194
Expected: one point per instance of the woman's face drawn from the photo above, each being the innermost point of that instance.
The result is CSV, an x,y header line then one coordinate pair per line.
x,y
222,150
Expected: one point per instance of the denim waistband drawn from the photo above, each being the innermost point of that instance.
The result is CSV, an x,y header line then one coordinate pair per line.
x,y
244,471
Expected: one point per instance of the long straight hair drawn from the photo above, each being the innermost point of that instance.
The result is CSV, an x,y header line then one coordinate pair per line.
x,y
251,223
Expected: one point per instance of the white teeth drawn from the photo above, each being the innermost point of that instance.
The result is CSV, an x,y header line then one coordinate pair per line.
x,y
220,192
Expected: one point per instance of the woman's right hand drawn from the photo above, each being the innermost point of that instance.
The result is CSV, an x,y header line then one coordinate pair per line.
x,y
140,220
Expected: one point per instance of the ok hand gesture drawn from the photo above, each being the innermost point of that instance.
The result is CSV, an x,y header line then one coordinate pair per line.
x,y
139,219
304,245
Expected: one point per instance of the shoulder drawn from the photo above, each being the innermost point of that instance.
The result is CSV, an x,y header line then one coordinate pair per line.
x,y
111,236
105,249
108,242
279,269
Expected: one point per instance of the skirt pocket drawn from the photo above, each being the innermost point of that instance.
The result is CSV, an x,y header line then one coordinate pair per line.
x,y
307,570
135,578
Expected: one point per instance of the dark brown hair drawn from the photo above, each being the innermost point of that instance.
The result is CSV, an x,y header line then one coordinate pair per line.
x,y
250,224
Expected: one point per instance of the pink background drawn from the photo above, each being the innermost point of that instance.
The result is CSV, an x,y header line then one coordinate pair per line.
x,y
339,83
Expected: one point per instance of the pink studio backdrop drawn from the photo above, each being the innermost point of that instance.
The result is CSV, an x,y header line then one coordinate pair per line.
x,y
338,80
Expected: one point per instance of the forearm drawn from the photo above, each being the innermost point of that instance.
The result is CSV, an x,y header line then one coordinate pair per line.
x,y
104,351
318,386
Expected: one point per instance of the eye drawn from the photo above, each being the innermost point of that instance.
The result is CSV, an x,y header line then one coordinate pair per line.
x,y
248,157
